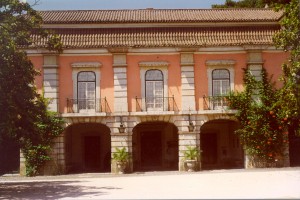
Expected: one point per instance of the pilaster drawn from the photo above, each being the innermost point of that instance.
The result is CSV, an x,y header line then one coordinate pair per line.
x,y
120,83
187,81
50,81
119,140
188,139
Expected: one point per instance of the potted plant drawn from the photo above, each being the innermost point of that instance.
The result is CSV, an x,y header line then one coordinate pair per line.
x,y
121,156
191,156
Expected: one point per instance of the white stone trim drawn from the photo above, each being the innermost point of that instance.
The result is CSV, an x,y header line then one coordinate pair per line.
x,y
50,81
120,89
154,64
86,66
219,64
162,66
188,87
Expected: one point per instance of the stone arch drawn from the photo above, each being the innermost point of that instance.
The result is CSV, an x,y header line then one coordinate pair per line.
x,y
221,148
155,146
87,147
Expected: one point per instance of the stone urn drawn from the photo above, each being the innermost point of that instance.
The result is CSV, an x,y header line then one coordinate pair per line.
x,y
121,166
191,165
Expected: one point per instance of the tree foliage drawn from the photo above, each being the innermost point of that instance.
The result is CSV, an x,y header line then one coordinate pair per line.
x,y
263,122
23,111
240,4
250,3
288,38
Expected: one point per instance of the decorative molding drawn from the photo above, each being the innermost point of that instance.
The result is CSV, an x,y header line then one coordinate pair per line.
x,y
220,63
86,65
119,65
154,64
50,66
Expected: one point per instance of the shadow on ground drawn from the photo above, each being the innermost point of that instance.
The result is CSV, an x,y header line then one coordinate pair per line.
x,y
50,190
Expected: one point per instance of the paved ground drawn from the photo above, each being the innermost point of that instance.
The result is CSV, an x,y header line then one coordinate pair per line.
x,y
281,183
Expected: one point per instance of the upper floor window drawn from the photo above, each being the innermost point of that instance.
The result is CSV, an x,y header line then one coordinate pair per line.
x,y
86,87
86,90
220,82
154,89
220,75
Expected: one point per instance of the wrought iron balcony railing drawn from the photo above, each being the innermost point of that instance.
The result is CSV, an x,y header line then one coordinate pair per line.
x,y
88,106
215,102
156,104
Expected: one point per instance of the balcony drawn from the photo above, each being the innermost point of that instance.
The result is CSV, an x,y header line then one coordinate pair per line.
x,y
88,106
156,104
215,102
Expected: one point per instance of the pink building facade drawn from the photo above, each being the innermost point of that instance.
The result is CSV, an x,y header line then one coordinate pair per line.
x,y
154,72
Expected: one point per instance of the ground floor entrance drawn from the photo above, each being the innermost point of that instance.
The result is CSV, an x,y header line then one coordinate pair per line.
x,y
9,156
88,148
221,148
155,147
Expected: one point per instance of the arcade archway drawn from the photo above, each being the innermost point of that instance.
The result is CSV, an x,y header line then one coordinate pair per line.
x,y
221,148
87,148
155,147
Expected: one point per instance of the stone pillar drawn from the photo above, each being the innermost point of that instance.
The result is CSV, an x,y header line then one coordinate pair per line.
x,y
120,83
22,164
119,140
187,81
50,81
51,90
56,165
187,139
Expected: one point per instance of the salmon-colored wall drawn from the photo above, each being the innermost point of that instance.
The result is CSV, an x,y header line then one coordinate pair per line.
x,y
38,62
201,78
273,62
66,82
134,80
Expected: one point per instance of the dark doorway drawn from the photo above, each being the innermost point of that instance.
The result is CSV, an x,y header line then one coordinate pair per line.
x,y
9,156
209,149
92,153
151,150
294,149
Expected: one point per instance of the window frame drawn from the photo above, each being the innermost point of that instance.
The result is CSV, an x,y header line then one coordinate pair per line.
x,y
213,79
160,80
83,67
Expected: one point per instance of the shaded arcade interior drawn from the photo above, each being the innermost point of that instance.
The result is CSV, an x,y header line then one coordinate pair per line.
x,y
87,148
221,148
155,147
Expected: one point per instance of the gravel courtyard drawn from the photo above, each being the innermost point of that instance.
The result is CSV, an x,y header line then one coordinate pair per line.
x,y
283,183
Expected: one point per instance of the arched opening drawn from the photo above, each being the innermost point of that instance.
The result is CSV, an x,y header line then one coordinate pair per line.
x,y
10,155
221,148
294,150
87,148
155,147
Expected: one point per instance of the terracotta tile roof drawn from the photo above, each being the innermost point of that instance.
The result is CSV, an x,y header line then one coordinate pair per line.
x,y
163,37
159,16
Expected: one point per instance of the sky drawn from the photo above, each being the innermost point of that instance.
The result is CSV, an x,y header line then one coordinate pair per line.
x,y
121,4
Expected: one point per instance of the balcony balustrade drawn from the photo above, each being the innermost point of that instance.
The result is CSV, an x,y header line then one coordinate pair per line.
x,y
156,104
88,106
215,102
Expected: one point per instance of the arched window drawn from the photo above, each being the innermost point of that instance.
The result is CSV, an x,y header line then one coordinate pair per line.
x,y
86,90
220,87
220,82
154,87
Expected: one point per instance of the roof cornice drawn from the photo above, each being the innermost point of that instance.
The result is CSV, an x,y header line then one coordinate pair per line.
x,y
153,25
